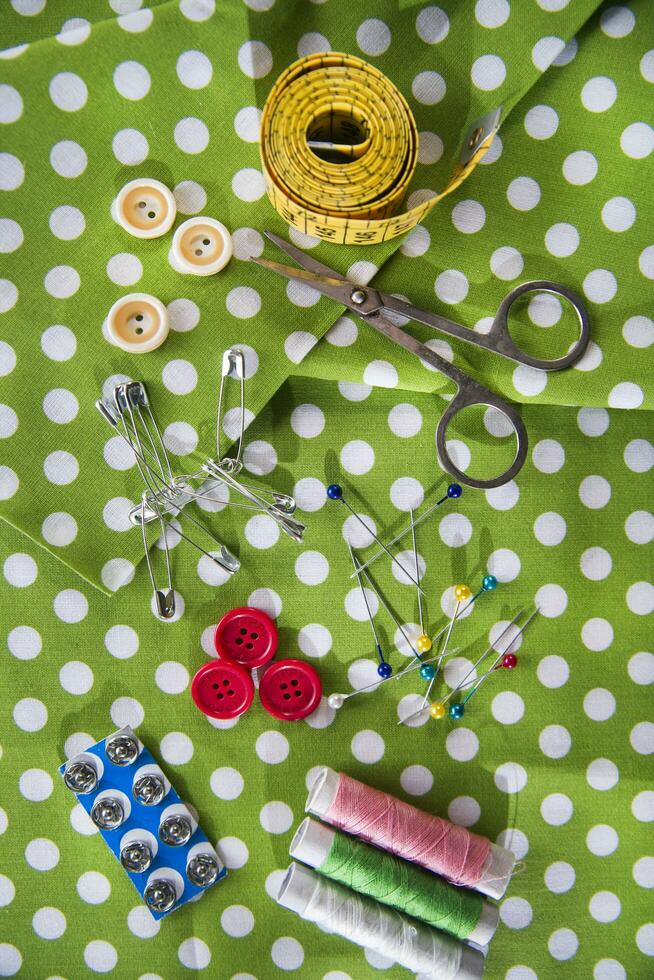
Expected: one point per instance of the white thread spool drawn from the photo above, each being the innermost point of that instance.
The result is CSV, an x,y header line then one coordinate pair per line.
x,y
498,867
313,841
363,921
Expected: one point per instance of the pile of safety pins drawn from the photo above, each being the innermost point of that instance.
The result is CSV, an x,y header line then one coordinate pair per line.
x,y
166,495
429,667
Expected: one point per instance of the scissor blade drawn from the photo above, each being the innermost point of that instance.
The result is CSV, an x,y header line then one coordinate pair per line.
x,y
302,259
336,289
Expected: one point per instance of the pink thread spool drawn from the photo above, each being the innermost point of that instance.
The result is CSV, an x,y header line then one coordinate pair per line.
x,y
436,844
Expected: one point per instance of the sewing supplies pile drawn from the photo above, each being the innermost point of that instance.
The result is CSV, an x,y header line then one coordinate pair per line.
x,y
398,896
143,821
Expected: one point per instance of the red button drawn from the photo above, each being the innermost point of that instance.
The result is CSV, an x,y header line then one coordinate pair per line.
x,y
246,636
290,689
222,689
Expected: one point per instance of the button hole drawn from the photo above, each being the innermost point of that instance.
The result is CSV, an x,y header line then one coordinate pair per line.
x,y
138,317
238,641
225,683
198,251
220,696
215,687
295,682
142,204
254,636
298,694
151,214
242,632
287,697
206,241
283,686
249,646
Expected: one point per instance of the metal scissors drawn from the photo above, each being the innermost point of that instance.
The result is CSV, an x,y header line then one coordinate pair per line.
x,y
368,303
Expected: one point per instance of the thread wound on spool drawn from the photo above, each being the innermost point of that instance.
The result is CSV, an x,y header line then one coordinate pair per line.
x,y
400,828
403,886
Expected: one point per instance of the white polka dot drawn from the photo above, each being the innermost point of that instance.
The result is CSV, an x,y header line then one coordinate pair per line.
x,y
8,422
135,21
12,172
380,374
226,783
504,497
416,243
488,72
237,921
310,494
523,193
343,333
272,747
248,185
580,167
357,457
8,483
506,263
307,421
35,785
191,135
314,640
637,140
405,420
312,568
599,94
197,10
130,147
20,570
255,59
645,939
560,877
24,642
546,50
181,438
639,455
642,806
492,13
510,777
58,343
593,422
604,906
121,642
11,104
462,744
595,492
596,563
355,606
617,21
504,564
194,69
30,715
276,817
642,738
541,122
550,528
140,923
464,811
455,530
516,913
66,222
507,707
11,238
132,80
468,216
68,159
647,66
368,747
194,954
602,774
313,43
638,331
354,392
555,741
267,600
416,780
556,809
124,269
643,872
514,840
356,534
287,954
42,854
127,711
428,88
430,150
641,668
93,887
618,214
626,395
76,677
552,601
528,380
171,677
233,852
49,923
179,377
68,91
176,748
59,529
373,36
548,456
562,239
62,282
597,634
432,25
451,286
563,943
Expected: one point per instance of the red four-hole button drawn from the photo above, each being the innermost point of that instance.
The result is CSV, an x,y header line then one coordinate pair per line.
x,y
290,689
246,636
222,689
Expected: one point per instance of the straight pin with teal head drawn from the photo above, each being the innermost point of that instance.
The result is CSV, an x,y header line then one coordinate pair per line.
x,y
384,669
335,492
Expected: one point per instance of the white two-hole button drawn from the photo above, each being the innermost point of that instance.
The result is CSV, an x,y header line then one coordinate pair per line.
x,y
138,323
201,246
145,208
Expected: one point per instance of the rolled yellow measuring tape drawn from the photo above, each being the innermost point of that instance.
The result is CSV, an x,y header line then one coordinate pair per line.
x,y
339,146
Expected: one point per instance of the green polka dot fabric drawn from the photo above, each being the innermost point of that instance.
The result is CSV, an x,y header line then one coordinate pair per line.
x,y
553,758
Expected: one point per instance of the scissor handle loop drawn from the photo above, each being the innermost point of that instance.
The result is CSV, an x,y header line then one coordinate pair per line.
x,y
469,394
502,341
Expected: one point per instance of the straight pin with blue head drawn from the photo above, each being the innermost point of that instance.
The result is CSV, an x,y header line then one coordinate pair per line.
x,y
335,492
398,624
384,669
454,491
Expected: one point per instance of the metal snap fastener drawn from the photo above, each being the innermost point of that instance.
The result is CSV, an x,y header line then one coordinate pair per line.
x,y
145,208
202,870
201,246
138,323
81,777
175,830
149,789
136,856
160,895
122,750
107,813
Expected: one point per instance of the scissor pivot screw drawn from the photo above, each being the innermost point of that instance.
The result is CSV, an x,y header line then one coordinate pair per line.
x,y
358,296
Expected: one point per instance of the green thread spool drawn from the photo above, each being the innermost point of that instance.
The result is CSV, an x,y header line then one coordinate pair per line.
x,y
392,881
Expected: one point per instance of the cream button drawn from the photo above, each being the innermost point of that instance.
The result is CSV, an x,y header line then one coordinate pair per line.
x,y
145,208
138,323
201,246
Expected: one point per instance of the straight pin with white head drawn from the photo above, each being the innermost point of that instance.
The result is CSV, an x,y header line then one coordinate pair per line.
x,y
337,701
384,669
335,492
